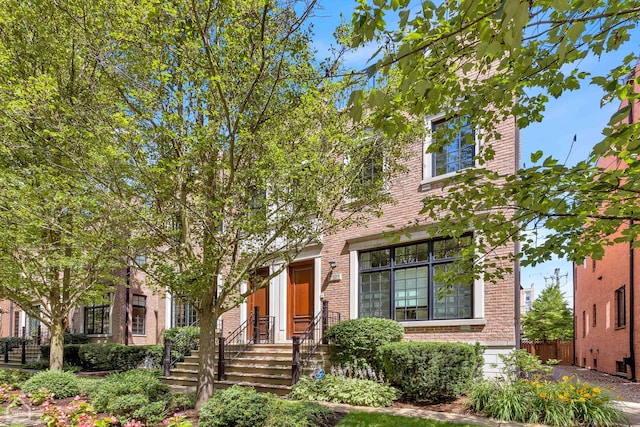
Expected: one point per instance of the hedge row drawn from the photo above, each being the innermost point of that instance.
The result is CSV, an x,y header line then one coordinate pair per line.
x,y
422,371
107,357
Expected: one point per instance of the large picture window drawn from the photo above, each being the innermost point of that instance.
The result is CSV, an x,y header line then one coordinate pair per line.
x,y
138,314
97,319
400,282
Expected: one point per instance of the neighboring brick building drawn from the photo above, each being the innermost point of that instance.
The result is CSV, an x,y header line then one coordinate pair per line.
x,y
361,273
605,292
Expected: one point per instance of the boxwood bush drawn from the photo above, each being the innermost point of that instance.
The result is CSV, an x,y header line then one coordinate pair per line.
x,y
244,407
71,356
431,371
62,384
356,341
111,356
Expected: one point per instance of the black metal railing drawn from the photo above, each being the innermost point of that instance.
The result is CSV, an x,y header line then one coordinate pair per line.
x,y
306,344
35,339
256,329
181,345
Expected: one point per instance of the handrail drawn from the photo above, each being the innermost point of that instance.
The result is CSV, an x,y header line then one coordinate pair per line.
x,y
306,344
239,339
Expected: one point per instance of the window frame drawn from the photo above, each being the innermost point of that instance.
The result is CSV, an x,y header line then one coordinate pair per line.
x,y
428,163
135,306
188,315
105,308
431,263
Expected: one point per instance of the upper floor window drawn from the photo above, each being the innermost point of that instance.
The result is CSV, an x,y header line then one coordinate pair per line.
x,y
138,314
456,140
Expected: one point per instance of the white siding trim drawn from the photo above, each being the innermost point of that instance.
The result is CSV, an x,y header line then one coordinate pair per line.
x,y
353,283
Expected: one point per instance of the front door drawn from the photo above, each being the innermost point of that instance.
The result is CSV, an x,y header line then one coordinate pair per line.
x,y
260,298
299,298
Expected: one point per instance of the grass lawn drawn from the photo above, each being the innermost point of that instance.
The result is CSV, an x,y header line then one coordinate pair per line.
x,y
371,419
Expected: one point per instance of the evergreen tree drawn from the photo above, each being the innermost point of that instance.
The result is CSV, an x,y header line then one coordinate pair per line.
x,y
550,317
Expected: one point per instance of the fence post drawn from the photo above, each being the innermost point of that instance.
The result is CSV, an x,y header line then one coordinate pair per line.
x,y
256,325
23,355
325,320
295,365
166,361
221,374
6,351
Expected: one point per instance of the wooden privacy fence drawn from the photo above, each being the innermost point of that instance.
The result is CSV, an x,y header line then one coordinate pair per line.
x,y
545,350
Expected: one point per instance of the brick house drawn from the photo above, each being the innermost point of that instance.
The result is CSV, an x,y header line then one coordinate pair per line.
x,y
360,272
605,309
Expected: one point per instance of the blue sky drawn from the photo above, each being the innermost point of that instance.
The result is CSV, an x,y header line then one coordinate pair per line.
x,y
576,113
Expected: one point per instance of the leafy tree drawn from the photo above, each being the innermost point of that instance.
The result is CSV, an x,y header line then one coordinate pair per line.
x,y
549,318
240,157
483,61
59,241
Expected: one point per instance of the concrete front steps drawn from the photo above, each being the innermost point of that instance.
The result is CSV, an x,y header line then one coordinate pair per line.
x,y
265,367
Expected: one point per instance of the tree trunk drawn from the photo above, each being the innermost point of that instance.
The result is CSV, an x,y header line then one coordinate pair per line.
x,y
56,355
208,357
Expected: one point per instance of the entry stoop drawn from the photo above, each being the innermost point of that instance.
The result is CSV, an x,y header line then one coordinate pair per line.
x,y
265,367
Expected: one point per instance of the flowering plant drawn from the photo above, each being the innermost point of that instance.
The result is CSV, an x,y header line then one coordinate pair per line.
x,y
177,420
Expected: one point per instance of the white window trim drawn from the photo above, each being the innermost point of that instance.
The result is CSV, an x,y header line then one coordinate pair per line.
x,y
354,277
427,158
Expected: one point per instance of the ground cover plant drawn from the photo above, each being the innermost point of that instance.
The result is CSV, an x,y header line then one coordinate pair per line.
x,y
60,383
529,397
352,391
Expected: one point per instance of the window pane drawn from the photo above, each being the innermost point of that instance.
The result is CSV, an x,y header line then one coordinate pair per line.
x,y
457,150
376,300
450,248
453,301
375,259
411,294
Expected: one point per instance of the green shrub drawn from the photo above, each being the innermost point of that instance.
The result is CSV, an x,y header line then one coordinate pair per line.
x,y
244,407
127,404
88,386
356,341
563,403
353,391
144,384
111,356
284,413
152,413
155,353
70,354
521,364
72,338
61,384
182,401
235,407
184,339
431,371
14,377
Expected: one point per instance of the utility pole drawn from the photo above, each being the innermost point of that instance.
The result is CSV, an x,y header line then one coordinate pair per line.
x,y
555,277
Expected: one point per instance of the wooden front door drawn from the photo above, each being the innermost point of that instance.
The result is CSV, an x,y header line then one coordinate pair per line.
x,y
299,298
260,298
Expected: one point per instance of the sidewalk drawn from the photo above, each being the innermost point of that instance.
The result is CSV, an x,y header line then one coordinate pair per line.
x,y
632,409
21,416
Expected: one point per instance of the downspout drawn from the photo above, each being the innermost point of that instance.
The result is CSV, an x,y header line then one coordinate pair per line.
x,y
126,306
575,321
516,251
632,351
